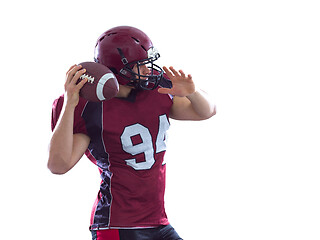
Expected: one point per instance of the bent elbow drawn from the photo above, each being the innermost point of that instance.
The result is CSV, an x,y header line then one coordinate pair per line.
x,y
57,171
210,114
57,168
214,112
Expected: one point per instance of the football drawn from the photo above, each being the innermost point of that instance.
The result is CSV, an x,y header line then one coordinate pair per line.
x,y
102,85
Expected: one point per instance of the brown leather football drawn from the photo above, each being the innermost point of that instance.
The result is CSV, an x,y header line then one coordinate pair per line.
x,y
102,84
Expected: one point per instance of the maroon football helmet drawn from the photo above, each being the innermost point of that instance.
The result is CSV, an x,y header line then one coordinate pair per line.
x,y
121,48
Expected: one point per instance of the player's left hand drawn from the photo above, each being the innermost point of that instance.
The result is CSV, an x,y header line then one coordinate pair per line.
x,y
182,85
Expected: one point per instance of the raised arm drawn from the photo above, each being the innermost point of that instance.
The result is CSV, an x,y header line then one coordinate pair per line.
x,y
189,103
66,148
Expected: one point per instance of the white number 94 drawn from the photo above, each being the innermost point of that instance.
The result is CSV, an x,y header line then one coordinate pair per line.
x,y
146,146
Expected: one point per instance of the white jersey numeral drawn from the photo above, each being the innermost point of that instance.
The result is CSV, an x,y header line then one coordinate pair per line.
x,y
146,145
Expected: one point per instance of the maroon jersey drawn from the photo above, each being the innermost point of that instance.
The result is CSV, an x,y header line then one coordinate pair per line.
x,y
128,145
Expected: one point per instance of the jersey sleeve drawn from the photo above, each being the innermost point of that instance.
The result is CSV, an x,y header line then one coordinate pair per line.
x,y
79,125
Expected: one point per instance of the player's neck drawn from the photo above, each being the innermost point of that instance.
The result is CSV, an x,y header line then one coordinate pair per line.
x,y
124,91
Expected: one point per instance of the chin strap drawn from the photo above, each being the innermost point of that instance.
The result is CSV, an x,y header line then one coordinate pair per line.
x,y
124,60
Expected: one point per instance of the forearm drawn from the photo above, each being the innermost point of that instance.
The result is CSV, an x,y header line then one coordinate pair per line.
x,y
203,106
61,144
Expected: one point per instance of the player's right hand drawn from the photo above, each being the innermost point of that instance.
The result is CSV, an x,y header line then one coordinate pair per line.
x,y
71,87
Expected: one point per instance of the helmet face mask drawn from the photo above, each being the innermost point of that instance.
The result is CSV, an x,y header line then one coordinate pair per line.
x,y
121,49
140,81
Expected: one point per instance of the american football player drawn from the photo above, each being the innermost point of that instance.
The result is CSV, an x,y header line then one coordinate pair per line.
x,y
125,137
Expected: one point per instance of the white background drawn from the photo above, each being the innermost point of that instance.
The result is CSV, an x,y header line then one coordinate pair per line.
x,y
250,172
